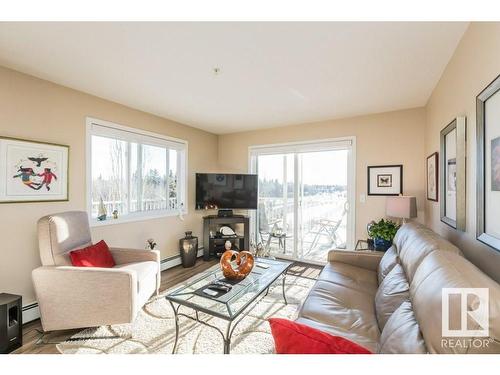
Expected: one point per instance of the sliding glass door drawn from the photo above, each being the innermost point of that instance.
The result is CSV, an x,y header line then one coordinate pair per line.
x,y
306,191
275,217
323,203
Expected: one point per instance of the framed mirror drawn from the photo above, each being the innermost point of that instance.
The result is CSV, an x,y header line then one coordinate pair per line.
x,y
452,174
488,165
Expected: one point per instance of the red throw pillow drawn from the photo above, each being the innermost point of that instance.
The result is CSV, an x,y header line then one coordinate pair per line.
x,y
295,338
97,255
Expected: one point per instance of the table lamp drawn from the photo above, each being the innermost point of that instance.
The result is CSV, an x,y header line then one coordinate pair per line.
x,y
402,207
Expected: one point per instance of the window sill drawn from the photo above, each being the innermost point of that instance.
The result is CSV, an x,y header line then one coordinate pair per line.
x,y
134,218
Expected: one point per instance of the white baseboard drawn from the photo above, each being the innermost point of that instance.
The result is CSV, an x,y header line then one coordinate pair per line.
x,y
32,312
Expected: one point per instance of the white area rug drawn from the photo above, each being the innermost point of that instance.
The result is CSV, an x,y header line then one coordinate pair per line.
x,y
154,329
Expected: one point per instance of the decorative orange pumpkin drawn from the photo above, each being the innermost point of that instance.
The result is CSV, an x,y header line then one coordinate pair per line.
x,y
244,262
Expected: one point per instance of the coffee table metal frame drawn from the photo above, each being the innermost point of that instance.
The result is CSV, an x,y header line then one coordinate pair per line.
x,y
233,319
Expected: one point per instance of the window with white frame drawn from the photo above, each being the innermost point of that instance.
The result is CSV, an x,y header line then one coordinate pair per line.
x,y
138,174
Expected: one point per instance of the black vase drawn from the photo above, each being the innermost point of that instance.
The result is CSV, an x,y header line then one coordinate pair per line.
x,y
188,247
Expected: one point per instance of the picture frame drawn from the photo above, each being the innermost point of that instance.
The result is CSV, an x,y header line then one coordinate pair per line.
x,y
33,171
432,168
385,180
488,165
453,174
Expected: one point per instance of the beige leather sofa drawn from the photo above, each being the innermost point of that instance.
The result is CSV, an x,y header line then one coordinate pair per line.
x,y
391,302
78,297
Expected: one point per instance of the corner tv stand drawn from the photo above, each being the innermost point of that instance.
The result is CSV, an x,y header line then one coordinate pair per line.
x,y
213,242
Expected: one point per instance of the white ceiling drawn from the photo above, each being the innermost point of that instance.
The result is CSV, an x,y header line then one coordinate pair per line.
x,y
271,74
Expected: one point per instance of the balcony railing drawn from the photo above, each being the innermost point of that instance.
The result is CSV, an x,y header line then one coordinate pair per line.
x,y
136,206
314,212
324,206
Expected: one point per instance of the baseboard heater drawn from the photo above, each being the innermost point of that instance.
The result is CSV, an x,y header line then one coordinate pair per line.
x,y
175,260
31,311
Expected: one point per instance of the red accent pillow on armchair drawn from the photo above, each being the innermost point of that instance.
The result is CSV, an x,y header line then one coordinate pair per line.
x,y
295,338
97,255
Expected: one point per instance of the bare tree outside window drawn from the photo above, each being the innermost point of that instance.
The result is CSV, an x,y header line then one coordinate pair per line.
x,y
133,177
108,173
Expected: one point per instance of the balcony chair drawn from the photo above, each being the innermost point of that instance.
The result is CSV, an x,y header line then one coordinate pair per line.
x,y
271,231
329,228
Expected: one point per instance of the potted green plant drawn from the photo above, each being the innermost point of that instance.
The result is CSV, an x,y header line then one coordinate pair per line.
x,y
382,233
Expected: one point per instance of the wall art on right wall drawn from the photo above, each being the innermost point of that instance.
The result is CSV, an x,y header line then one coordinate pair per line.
x,y
488,165
452,174
433,177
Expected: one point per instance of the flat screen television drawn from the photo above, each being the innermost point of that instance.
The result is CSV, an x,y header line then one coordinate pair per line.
x,y
225,191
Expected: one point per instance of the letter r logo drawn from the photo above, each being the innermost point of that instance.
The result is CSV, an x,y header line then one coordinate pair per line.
x,y
470,315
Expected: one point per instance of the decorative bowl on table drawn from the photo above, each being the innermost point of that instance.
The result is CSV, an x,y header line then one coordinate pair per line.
x,y
236,265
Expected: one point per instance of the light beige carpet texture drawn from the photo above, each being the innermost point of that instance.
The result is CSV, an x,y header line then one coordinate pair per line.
x,y
154,328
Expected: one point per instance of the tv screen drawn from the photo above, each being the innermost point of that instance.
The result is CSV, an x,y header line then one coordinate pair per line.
x,y
226,191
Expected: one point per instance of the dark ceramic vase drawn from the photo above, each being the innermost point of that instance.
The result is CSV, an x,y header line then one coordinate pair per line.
x,y
188,247
381,244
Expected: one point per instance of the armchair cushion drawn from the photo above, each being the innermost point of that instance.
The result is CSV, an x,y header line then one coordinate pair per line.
x,y
97,255
144,270
60,233
147,273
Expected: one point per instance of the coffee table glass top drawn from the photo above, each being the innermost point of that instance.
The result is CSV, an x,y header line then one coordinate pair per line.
x,y
229,305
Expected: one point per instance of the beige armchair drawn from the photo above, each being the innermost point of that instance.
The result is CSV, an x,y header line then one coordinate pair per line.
x,y
78,297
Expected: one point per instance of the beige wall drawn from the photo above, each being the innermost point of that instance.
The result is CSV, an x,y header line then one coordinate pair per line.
x,y
36,109
474,65
387,138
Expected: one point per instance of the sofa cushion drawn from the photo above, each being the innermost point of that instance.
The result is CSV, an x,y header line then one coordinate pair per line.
x,y
404,232
393,291
295,338
401,333
415,242
444,269
388,261
360,279
342,311
97,255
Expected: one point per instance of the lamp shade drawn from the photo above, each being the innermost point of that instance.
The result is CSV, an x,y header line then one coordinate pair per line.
x,y
401,206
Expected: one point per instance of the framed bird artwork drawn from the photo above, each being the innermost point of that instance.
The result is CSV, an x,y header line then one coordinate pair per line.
x,y
34,171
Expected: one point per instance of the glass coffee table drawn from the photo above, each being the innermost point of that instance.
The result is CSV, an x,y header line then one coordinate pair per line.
x,y
231,306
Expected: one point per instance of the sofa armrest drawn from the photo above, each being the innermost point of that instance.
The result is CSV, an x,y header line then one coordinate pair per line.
x,y
76,297
123,256
363,259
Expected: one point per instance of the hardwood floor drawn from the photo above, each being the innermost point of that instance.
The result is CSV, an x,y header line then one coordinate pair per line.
x,y
32,330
